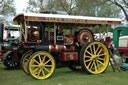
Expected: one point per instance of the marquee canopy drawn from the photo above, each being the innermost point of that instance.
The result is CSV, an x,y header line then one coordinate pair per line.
x,y
56,18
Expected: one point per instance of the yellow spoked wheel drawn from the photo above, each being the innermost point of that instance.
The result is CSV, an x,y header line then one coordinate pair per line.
x,y
41,65
94,57
24,60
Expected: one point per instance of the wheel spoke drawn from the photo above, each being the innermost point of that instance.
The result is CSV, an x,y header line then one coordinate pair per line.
x,y
87,60
39,59
26,59
91,49
95,66
43,72
101,54
43,59
36,69
101,59
94,49
47,61
39,72
91,65
100,62
87,56
46,70
97,49
48,65
36,61
89,53
34,65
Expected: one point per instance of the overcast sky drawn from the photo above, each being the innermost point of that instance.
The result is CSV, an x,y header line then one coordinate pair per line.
x,y
20,5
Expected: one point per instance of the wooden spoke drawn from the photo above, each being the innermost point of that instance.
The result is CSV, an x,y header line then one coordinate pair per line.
x,y
46,70
47,61
95,66
43,72
89,64
91,49
97,49
26,59
89,53
39,58
101,59
34,65
100,62
36,69
48,65
87,60
39,72
36,61
94,49
100,51
88,56
43,58
101,54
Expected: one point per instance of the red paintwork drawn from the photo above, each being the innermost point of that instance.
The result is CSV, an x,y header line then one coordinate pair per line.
x,y
1,56
84,37
107,41
56,48
69,56
2,51
68,41
69,49
123,50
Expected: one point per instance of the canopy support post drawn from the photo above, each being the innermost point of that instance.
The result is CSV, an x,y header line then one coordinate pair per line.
x,y
25,31
55,27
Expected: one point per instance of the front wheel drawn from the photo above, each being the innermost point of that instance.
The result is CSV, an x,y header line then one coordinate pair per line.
x,y
41,65
94,57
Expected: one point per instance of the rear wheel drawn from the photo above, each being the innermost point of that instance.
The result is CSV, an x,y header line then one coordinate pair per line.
x,y
94,58
24,60
41,65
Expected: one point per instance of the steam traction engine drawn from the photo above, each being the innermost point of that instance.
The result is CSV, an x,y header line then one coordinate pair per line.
x,y
52,40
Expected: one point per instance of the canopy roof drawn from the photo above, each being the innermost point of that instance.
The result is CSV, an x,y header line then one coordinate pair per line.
x,y
56,18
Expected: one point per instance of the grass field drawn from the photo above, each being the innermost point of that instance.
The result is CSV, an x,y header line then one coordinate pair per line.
x,y
63,76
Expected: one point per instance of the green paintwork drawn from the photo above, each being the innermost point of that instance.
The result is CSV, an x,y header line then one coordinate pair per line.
x,y
117,32
12,28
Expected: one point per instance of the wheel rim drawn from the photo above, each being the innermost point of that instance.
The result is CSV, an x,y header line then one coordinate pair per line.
x,y
25,61
41,65
96,58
